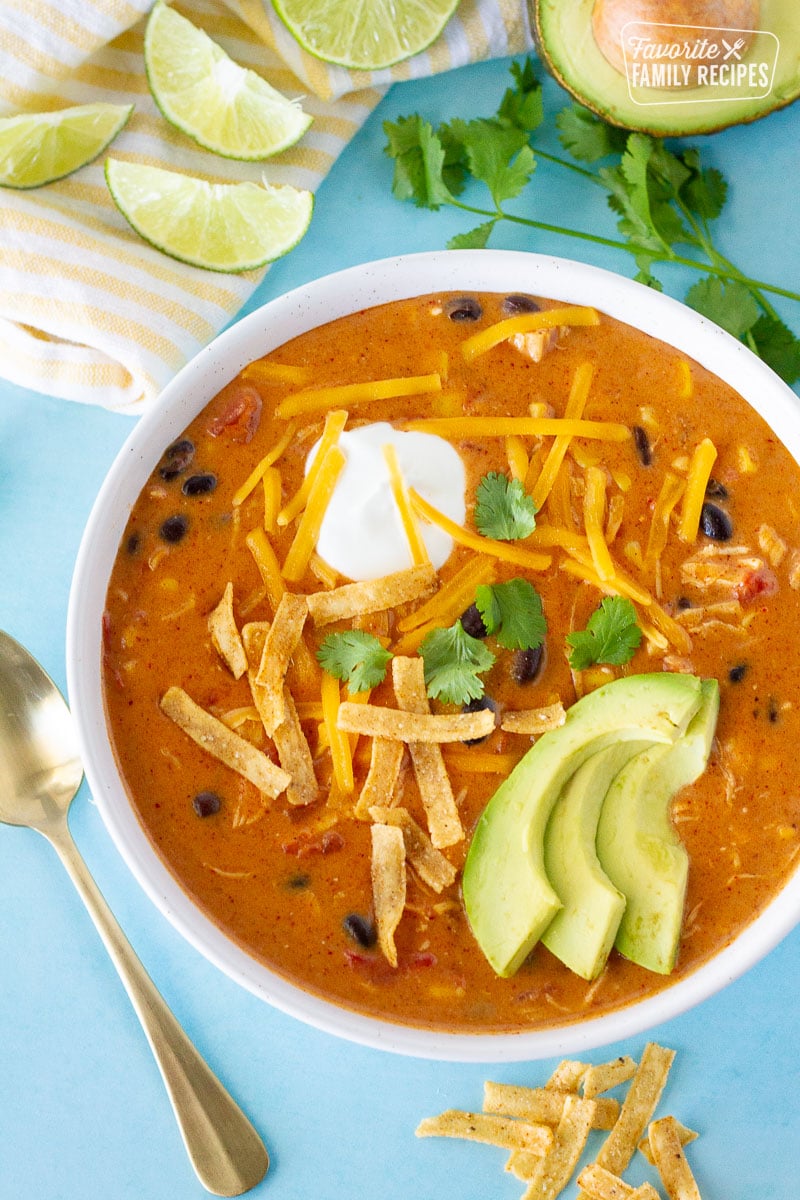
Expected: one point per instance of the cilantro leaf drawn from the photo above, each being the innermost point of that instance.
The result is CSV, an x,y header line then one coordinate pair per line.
x,y
706,189
497,155
503,509
474,239
729,304
355,656
522,105
611,635
586,137
778,347
512,612
419,161
454,661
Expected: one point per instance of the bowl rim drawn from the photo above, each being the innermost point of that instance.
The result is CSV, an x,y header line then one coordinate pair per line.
x,y
264,329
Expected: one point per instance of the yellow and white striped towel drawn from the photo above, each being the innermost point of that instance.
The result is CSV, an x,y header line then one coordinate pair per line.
x,y
88,311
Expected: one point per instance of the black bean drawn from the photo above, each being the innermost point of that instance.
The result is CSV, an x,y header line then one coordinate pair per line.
x,y
773,712
715,523
643,447
174,528
360,929
482,702
716,490
472,621
463,308
199,485
176,459
682,603
526,664
737,673
205,804
518,303
298,881
133,543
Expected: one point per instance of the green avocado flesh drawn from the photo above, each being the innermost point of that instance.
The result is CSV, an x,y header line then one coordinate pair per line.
x,y
637,845
567,45
582,932
508,897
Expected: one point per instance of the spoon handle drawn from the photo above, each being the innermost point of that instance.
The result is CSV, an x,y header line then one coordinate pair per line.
x,y
225,1150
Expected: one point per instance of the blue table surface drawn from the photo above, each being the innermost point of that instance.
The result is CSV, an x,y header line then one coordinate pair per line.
x,y
83,1110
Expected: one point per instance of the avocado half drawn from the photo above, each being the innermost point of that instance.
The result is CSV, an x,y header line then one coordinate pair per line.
x,y
567,46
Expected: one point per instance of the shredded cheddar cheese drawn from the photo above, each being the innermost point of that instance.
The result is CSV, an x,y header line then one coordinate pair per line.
x,y
338,741
313,399
269,568
703,459
476,541
594,512
453,597
619,585
576,403
264,371
269,459
487,339
305,539
416,543
517,457
271,482
671,491
491,427
334,424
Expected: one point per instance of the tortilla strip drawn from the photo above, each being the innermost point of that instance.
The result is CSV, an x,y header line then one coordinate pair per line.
x,y
600,1184
429,863
685,1135
294,754
533,721
374,595
254,634
542,1105
433,781
491,1130
279,646
388,871
556,1168
638,1108
221,742
225,634
568,1076
670,1161
386,758
375,720
604,1076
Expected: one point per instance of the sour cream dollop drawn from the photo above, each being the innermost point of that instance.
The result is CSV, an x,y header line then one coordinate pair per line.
x,y
362,535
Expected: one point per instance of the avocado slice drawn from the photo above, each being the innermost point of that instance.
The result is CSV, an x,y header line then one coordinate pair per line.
x,y
637,844
566,42
582,933
508,899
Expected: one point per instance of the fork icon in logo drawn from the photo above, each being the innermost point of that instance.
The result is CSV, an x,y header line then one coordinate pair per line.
x,y
733,50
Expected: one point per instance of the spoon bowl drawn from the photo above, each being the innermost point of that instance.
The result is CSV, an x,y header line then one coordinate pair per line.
x,y
40,773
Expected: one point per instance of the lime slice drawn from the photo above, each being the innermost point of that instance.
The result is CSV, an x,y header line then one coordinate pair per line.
x,y
223,106
368,35
37,148
219,226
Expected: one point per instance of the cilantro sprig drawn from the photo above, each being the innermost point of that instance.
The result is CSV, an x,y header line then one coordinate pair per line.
x,y
354,656
503,509
454,661
612,635
665,200
512,612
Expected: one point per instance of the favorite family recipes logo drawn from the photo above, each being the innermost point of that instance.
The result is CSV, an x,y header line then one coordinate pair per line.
x,y
678,61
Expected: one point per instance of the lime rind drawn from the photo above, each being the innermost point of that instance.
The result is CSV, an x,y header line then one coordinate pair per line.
x,y
40,148
230,227
222,106
365,35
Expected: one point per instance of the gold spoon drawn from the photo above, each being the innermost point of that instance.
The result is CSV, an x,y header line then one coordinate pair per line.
x,y
40,772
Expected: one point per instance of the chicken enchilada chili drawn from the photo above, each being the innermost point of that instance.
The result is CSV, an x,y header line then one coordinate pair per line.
x,y
385,561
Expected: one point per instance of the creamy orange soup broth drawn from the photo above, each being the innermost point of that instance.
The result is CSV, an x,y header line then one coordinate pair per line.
x,y
292,882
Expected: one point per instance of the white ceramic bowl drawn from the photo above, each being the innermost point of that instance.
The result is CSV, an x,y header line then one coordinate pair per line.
x,y
261,331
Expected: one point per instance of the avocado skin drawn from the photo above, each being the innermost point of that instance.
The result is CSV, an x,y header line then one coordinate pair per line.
x,y
564,39
637,844
582,932
508,899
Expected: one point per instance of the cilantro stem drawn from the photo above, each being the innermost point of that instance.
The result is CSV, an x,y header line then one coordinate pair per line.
x,y
720,266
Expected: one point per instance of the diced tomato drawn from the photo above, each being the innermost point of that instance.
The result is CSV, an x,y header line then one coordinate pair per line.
x,y
306,843
241,416
761,582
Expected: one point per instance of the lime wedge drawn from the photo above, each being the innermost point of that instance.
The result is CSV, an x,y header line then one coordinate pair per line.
x,y
368,35
203,92
219,226
37,148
